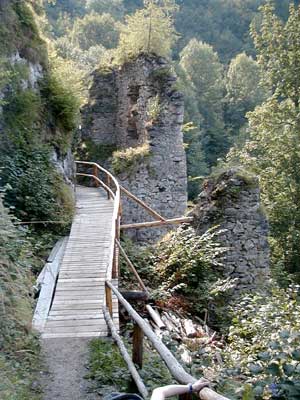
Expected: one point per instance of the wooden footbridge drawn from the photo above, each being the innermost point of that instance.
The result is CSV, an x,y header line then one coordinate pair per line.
x,y
79,285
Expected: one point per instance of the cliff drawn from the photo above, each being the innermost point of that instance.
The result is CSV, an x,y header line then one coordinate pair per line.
x,y
132,124
37,120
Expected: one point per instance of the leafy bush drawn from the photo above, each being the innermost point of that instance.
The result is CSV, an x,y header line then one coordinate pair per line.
x,y
263,357
18,346
124,161
35,190
63,107
22,117
188,265
110,372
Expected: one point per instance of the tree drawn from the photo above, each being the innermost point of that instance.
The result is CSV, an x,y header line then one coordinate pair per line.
x,y
244,91
149,30
94,29
278,50
112,7
274,147
203,68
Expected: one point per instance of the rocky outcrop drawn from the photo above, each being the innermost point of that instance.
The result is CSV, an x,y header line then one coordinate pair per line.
x,y
231,201
133,107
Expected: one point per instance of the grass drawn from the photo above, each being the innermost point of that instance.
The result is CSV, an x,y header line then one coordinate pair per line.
x,y
125,161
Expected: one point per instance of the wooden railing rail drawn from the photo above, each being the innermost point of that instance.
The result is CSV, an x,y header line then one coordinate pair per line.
x,y
150,210
132,268
177,371
150,224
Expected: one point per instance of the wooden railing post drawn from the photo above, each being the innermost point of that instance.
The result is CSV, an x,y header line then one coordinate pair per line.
x,y
95,173
108,297
108,182
137,345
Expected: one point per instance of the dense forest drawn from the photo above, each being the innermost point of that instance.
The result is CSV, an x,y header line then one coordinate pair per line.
x,y
238,67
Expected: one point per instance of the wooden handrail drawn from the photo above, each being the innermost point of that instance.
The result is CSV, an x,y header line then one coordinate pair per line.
x,y
131,266
150,224
108,189
171,362
143,204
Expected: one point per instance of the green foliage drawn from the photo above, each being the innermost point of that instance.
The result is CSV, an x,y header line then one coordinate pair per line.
x,y
90,151
154,108
244,92
112,7
19,347
149,30
63,107
107,366
273,149
19,32
94,29
205,72
262,357
35,191
188,264
111,374
278,50
22,117
125,161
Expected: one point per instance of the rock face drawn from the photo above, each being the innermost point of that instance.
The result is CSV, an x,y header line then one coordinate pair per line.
x,y
133,107
232,201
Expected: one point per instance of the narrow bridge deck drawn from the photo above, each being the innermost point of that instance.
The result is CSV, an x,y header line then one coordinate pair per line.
x,y
76,310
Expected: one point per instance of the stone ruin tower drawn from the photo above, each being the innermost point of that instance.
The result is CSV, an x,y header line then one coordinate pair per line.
x,y
231,202
136,106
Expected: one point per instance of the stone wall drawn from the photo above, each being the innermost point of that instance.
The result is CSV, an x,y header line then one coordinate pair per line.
x,y
118,113
231,201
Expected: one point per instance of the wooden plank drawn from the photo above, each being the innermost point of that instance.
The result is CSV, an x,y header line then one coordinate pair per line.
x,y
47,289
74,335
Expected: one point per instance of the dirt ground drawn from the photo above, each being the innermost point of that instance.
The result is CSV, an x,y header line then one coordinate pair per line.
x,y
65,368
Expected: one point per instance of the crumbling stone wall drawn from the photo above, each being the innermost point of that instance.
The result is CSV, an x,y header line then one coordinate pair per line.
x,y
231,201
118,114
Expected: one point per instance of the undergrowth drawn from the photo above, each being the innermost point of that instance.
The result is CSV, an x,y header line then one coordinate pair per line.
x,y
34,189
18,346
110,373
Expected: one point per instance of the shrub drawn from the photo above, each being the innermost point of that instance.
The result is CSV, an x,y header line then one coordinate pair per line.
x,y
35,190
125,161
18,346
262,357
22,117
189,265
63,107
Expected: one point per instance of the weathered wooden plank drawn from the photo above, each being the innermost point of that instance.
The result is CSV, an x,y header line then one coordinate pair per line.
x,y
74,335
47,289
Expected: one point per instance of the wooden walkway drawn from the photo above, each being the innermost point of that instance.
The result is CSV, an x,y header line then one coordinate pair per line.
x,y
76,310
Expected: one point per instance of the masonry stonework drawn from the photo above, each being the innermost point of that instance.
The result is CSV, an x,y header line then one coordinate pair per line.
x,y
232,202
119,114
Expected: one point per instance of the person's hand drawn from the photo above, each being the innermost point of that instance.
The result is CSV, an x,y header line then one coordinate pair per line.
x,y
200,384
